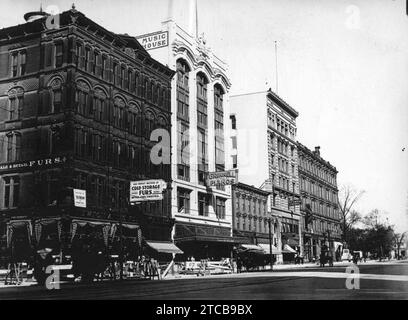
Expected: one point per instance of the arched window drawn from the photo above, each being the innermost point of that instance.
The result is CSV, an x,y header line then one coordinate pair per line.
x,y
183,163
81,97
100,106
182,90
218,97
219,128
149,123
16,96
118,113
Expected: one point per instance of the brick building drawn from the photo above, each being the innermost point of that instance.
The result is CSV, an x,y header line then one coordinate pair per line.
x,y
77,106
250,216
319,196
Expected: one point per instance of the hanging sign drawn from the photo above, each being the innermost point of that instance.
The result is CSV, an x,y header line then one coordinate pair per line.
x,y
80,198
147,190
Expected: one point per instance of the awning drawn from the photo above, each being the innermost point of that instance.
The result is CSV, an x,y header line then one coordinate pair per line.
x,y
251,247
164,247
288,249
337,245
267,250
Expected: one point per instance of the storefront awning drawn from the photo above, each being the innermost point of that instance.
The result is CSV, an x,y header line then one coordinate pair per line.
x,y
251,247
267,250
337,245
288,249
164,247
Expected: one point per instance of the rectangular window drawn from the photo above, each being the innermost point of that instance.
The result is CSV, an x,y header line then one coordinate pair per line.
x,y
95,65
233,122
11,191
115,73
14,64
87,58
234,161
202,156
13,147
203,204
18,63
104,67
122,76
59,54
220,208
183,152
57,100
22,63
15,105
234,142
183,200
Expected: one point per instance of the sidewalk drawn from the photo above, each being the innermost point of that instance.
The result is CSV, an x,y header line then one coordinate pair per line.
x,y
286,267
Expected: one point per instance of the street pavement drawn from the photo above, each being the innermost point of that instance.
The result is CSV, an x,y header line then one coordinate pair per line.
x,y
375,280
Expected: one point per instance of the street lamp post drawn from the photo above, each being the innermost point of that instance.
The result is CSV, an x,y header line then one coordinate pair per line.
x,y
270,242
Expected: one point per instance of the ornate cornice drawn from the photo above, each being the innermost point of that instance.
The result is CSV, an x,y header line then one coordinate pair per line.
x,y
201,60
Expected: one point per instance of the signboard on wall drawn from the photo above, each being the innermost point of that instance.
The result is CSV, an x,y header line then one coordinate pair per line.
x,y
33,164
222,178
154,40
147,190
80,198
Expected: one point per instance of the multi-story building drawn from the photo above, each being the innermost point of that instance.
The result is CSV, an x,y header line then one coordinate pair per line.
x,y
78,104
267,157
200,112
319,196
250,216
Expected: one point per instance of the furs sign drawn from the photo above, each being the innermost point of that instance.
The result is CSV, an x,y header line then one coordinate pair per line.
x,y
33,164
154,40
146,190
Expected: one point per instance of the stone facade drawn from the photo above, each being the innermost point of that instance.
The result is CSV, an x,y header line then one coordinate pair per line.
x,y
318,188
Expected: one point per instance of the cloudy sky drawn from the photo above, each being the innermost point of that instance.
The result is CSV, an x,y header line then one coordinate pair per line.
x,y
342,64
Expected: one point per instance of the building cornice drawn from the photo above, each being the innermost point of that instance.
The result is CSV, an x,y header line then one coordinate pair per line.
x,y
282,103
315,157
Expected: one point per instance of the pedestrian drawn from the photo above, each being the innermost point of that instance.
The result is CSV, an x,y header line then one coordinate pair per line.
x,y
239,265
42,261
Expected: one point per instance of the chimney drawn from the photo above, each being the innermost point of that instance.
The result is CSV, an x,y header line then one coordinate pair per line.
x,y
317,151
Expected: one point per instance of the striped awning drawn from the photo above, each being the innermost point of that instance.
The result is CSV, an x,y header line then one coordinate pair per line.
x,y
164,247
251,247
266,248
288,249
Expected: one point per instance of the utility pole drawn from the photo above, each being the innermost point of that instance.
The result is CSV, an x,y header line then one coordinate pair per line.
x,y
121,244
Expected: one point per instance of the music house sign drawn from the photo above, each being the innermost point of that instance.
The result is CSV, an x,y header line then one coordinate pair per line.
x,y
154,40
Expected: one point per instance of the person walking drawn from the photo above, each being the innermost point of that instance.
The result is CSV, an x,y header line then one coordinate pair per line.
x,y
42,261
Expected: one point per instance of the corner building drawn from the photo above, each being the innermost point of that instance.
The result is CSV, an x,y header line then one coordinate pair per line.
x,y
77,108
200,112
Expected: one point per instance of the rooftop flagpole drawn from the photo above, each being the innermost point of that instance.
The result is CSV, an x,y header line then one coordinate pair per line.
x,y
276,65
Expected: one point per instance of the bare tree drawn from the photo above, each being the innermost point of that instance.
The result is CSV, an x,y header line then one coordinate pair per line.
x,y
399,238
348,197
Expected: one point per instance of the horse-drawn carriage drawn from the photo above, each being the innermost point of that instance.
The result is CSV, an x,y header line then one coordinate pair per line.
x,y
326,257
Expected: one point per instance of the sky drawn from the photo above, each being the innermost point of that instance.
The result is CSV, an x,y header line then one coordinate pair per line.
x,y
342,64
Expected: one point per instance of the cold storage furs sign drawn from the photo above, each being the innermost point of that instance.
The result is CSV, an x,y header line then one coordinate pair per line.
x,y
146,190
154,40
